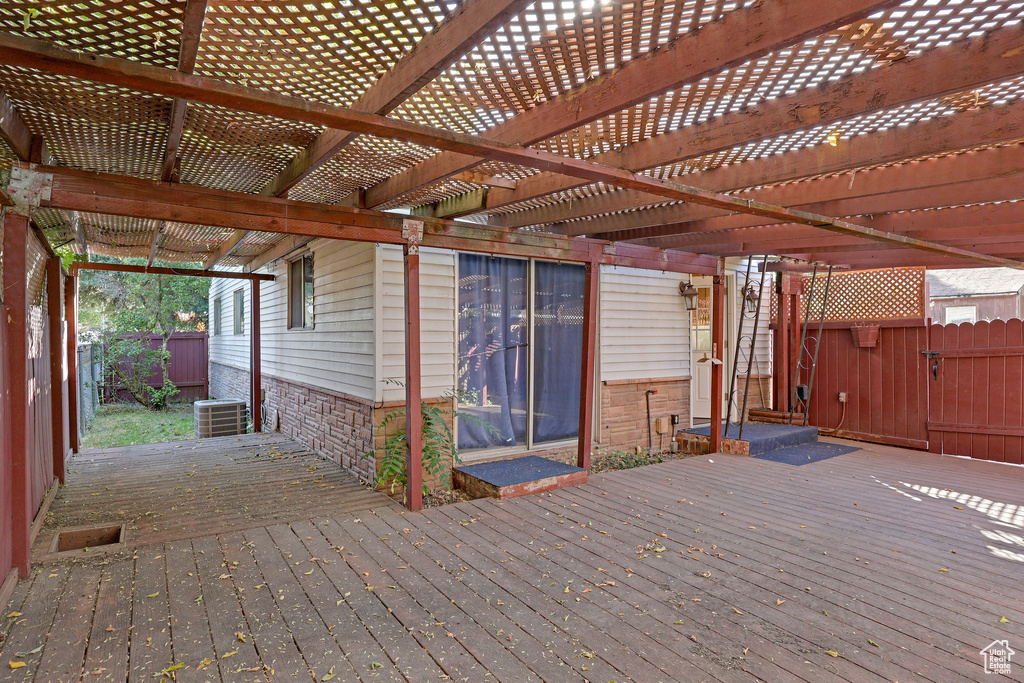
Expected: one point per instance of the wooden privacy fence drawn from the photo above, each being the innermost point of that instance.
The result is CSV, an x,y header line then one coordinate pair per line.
x,y
976,375
953,389
188,368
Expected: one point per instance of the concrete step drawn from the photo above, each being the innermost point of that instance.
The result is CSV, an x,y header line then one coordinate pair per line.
x,y
758,438
516,477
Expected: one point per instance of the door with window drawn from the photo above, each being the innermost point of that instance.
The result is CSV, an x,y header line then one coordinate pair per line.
x,y
701,349
519,352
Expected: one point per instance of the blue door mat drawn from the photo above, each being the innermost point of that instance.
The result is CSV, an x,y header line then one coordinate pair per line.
x,y
808,453
764,437
517,470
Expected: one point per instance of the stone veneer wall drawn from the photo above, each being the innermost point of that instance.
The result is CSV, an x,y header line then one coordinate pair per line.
x,y
624,411
337,426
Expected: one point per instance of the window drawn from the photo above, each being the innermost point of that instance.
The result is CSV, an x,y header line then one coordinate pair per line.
x,y
520,349
239,310
216,316
961,314
300,292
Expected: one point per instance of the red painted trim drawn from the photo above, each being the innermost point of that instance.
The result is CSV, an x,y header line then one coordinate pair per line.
x,y
588,372
717,369
413,388
847,324
15,317
53,306
255,365
71,316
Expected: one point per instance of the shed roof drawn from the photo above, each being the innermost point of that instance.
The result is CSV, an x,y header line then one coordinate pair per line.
x,y
974,282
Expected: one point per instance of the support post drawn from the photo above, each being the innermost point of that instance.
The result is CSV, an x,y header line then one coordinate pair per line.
x,y
413,233
56,322
780,366
588,373
71,315
15,318
255,365
718,353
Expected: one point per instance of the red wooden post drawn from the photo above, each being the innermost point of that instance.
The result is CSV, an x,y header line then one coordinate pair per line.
x,y
588,372
718,352
71,315
15,316
255,366
56,322
780,377
413,392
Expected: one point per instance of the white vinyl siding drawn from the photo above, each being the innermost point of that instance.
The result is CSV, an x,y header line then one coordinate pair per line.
x,y
227,348
644,326
437,322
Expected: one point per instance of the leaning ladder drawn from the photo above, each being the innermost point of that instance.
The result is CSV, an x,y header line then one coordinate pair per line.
x,y
805,353
745,345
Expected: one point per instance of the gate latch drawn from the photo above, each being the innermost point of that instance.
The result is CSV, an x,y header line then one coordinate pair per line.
x,y
935,366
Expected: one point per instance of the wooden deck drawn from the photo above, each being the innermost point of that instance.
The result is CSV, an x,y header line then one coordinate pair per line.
x,y
185,489
881,564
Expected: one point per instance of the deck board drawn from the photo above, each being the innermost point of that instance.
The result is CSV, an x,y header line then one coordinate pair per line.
x,y
766,570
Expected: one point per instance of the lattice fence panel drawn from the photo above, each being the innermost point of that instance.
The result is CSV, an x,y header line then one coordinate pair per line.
x,y
862,295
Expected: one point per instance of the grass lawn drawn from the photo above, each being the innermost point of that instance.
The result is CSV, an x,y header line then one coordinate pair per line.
x,y
129,425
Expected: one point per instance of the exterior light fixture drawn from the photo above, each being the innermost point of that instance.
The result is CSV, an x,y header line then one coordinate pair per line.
x,y
689,294
750,298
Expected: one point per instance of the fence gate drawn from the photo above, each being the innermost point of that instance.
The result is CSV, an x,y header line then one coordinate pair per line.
x,y
976,375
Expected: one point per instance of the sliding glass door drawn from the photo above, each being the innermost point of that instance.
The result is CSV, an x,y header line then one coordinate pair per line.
x,y
519,351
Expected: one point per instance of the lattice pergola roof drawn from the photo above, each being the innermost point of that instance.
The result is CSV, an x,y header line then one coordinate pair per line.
x,y
794,99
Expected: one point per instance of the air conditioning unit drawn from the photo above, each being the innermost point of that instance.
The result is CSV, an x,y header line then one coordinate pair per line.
x,y
221,417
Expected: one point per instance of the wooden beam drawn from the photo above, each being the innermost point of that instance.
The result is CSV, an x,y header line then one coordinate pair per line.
x,y
976,128
13,129
960,66
71,351
15,318
255,359
282,248
717,353
453,206
191,32
738,37
55,321
225,249
736,228
588,360
154,245
122,196
413,378
484,179
188,272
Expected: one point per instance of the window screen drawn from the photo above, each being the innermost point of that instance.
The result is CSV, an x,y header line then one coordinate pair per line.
x,y
216,316
300,292
239,311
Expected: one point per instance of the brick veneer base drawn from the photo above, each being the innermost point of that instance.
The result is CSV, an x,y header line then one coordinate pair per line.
x,y
337,426
624,411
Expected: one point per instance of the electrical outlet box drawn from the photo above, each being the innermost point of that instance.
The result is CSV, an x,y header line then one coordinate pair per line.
x,y
842,397
674,419
661,425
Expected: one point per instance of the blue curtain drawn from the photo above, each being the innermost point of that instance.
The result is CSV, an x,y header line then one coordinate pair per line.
x,y
493,338
558,350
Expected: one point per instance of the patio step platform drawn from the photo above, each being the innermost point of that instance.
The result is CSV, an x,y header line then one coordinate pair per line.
x,y
758,438
516,477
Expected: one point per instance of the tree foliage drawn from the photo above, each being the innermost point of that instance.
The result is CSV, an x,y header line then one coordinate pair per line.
x,y
131,308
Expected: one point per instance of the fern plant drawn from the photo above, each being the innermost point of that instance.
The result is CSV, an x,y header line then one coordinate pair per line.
x,y
440,452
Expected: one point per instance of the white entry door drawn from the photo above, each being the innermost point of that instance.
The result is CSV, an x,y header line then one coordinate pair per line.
x,y
700,348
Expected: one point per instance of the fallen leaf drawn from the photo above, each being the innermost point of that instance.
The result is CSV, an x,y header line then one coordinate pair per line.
x,y
736,611
229,654
110,629
203,664
22,655
16,665
831,653
240,636
12,615
871,642
779,602
943,570
153,595
1004,620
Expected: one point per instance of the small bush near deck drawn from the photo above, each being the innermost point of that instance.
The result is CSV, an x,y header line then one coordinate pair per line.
x,y
131,425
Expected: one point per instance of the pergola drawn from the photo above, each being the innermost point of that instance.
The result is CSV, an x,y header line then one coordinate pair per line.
x,y
647,133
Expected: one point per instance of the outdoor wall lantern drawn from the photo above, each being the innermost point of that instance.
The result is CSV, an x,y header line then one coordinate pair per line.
x,y
750,298
689,294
